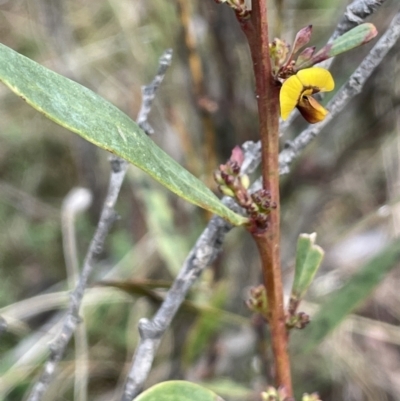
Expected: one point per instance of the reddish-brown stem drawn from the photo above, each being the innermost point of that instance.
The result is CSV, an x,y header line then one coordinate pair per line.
x,y
267,92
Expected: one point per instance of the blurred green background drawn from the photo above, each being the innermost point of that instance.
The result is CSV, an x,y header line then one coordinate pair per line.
x,y
345,187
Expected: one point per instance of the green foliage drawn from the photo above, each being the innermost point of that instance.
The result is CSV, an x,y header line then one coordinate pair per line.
x,y
308,259
357,36
340,304
177,391
82,111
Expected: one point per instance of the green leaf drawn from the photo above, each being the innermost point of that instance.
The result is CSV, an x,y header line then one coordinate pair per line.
x,y
308,260
350,296
177,391
357,36
82,111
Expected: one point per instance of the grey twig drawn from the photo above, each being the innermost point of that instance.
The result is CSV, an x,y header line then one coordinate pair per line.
x,y
107,218
352,88
203,253
149,91
355,14
71,320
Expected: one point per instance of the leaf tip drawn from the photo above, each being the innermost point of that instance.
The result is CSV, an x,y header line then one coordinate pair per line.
x,y
372,32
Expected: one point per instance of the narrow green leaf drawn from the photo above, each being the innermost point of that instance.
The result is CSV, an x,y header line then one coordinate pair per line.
x,y
357,36
344,301
177,390
82,111
308,260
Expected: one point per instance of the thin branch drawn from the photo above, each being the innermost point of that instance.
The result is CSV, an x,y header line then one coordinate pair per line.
x,y
202,255
356,13
149,92
71,320
107,218
255,29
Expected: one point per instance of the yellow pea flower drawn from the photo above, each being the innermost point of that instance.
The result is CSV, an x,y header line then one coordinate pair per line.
x,y
298,89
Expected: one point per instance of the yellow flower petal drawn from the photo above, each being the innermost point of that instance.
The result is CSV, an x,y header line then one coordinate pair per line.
x,y
296,91
289,95
311,110
318,78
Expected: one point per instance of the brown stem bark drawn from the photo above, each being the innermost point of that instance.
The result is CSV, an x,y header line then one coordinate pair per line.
x,y
268,242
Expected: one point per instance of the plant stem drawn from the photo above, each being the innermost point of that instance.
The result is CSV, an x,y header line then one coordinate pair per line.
x,y
268,241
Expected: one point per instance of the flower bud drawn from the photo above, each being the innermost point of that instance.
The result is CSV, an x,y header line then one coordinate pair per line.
x,y
218,177
302,38
257,301
226,191
245,181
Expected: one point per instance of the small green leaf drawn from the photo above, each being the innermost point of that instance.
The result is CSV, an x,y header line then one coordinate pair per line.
x,y
351,295
308,260
357,36
177,390
82,111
